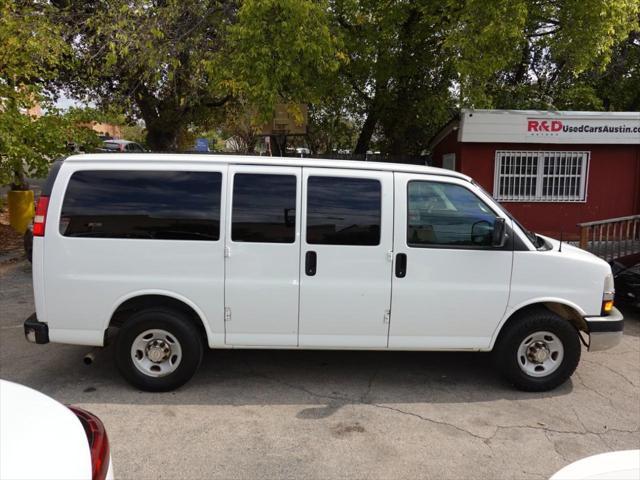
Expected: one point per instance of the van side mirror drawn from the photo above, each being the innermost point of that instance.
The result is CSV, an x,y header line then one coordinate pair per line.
x,y
499,236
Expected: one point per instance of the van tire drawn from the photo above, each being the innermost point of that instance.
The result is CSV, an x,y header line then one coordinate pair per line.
x,y
183,336
509,352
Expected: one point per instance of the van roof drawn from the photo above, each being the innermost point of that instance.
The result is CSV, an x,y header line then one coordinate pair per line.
x,y
264,160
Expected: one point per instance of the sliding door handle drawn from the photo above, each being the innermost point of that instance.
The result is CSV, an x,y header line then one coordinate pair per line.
x,y
310,263
401,265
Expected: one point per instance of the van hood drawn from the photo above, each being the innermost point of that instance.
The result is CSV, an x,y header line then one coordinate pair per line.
x,y
576,252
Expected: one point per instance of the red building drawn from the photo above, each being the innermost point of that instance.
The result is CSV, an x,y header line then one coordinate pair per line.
x,y
552,170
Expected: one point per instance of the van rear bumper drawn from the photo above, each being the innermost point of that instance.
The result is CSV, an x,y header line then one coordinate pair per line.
x,y
36,331
605,332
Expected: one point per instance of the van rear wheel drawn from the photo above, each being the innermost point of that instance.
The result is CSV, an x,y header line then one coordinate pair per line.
x,y
538,351
158,349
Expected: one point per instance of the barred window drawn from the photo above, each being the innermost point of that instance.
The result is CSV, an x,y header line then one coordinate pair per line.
x,y
531,176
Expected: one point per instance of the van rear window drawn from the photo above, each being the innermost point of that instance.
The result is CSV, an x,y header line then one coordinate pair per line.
x,y
158,205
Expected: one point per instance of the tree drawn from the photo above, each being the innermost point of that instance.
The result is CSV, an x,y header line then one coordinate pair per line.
x,y
618,85
28,145
31,51
242,124
174,62
565,51
284,52
396,70
160,61
411,64
330,129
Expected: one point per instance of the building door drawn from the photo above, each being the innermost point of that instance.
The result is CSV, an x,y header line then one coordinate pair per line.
x,y
262,256
345,267
450,286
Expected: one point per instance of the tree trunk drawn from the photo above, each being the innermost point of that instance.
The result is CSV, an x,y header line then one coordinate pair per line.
x,y
162,138
364,139
163,124
278,145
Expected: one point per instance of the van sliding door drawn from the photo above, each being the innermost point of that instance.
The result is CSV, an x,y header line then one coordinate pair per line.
x,y
345,270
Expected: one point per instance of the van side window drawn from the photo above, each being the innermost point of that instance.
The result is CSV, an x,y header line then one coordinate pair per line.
x,y
264,208
343,211
446,214
157,205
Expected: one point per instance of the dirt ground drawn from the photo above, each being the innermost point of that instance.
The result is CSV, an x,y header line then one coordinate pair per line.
x,y
10,241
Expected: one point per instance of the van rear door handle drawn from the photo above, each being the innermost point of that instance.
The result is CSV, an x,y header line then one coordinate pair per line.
x,y
401,265
310,263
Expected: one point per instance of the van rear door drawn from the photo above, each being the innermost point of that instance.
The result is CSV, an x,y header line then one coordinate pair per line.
x,y
115,232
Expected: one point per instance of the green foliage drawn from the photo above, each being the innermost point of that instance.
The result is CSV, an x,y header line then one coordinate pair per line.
x,y
31,52
28,145
565,47
282,52
384,72
588,30
411,64
330,130
89,114
163,62
176,63
399,72
481,38
242,123
619,84
136,133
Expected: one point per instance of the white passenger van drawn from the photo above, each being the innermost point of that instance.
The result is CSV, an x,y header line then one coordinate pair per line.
x,y
174,253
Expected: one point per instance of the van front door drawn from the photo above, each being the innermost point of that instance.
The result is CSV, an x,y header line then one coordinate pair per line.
x,y
450,285
262,256
345,264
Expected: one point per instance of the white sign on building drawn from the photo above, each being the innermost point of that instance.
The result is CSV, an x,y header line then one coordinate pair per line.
x,y
532,126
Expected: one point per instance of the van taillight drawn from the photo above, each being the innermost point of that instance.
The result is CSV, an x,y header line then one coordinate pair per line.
x,y
40,220
98,442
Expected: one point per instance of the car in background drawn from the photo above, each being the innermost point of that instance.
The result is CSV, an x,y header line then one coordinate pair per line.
x,y
626,274
43,439
114,145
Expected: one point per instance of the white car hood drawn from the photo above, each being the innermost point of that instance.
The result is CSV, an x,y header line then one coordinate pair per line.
x,y
623,465
39,437
576,252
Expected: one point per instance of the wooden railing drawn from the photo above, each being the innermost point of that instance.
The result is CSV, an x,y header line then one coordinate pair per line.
x,y
612,238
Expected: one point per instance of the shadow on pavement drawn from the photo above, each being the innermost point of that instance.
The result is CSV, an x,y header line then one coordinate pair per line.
x,y
286,377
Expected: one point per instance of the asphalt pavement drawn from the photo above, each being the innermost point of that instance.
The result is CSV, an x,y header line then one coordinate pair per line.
x,y
332,414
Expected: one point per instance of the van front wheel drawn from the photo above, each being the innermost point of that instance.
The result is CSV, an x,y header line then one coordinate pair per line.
x,y
538,351
158,349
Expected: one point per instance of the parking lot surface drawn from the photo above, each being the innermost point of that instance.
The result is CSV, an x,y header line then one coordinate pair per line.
x,y
333,414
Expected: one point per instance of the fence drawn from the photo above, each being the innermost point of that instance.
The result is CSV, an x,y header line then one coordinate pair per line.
x,y
612,238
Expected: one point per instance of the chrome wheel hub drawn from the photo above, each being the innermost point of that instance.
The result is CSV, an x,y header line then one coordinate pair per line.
x,y
156,352
540,354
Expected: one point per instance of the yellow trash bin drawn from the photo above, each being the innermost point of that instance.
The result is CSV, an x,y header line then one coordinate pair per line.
x,y
21,209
